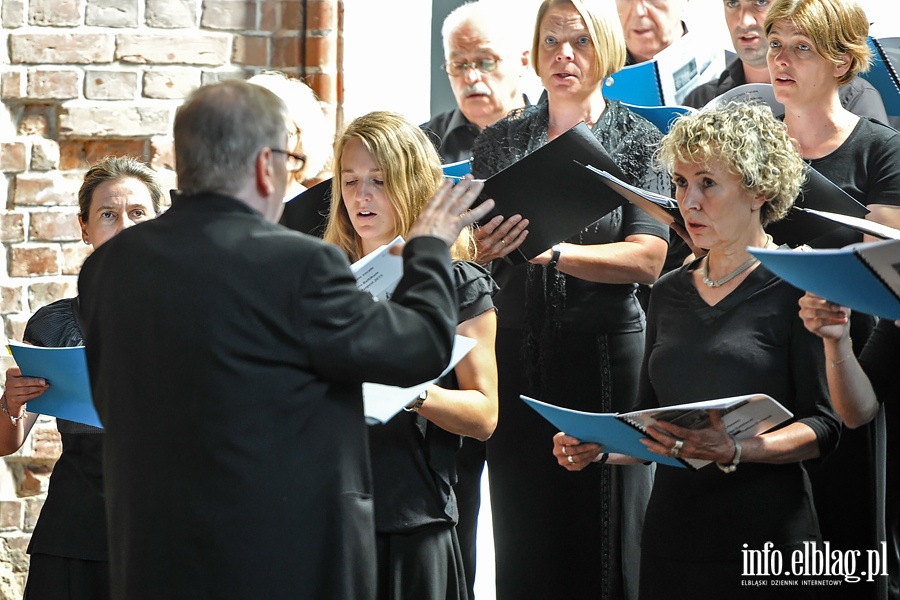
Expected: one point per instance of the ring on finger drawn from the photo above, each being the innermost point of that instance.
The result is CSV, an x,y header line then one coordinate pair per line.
x,y
502,241
565,452
676,449
571,459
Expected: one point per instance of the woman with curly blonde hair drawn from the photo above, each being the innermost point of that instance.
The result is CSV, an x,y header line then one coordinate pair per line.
x,y
386,169
722,326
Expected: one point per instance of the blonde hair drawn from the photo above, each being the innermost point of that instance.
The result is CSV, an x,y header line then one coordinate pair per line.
x,y
604,28
837,29
750,143
412,174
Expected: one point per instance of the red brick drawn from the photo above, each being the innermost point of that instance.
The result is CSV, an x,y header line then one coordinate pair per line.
x,y
292,16
12,157
321,52
54,226
250,50
28,261
320,14
269,17
97,150
323,85
12,227
71,155
286,52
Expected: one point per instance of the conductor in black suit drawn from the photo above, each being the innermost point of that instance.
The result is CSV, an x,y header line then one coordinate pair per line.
x,y
226,355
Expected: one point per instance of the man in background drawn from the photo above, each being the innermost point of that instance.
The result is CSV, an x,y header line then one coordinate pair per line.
x,y
485,57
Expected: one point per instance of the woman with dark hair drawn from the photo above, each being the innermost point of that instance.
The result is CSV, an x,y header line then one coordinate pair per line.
x,y
68,547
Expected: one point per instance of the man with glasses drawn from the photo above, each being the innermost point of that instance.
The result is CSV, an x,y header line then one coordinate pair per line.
x,y
485,58
745,19
236,458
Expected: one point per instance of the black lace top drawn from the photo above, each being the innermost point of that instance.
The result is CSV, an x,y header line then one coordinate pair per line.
x,y
543,299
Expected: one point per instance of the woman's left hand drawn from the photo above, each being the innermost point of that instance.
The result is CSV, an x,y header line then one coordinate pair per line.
x,y
710,443
571,454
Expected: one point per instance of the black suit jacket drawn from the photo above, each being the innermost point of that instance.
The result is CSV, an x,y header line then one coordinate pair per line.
x,y
226,355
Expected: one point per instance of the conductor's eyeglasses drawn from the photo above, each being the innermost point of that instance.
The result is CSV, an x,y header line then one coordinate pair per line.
x,y
484,65
293,162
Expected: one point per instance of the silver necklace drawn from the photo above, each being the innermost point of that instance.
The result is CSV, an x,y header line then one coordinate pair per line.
x,y
720,282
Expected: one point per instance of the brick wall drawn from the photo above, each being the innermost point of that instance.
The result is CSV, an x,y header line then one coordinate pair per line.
x,y
80,79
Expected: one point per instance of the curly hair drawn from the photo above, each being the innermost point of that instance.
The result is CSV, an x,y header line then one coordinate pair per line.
x,y
837,28
749,142
412,175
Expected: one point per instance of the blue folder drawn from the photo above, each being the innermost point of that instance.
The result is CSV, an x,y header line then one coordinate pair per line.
x,y
843,276
883,73
65,369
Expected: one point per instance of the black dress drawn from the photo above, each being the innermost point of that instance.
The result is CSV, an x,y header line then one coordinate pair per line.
x,y
866,166
576,344
698,522
879,361
413,469
68,546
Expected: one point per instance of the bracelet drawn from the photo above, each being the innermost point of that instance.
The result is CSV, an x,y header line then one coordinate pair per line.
x,y
14,420
418,403
603,458
841,361
554,258
731,467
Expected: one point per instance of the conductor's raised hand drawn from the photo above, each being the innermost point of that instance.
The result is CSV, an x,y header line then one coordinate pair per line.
x,y
448,212
498,237
572,454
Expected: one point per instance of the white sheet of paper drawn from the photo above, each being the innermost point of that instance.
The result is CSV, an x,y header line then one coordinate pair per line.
x,y
384,401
